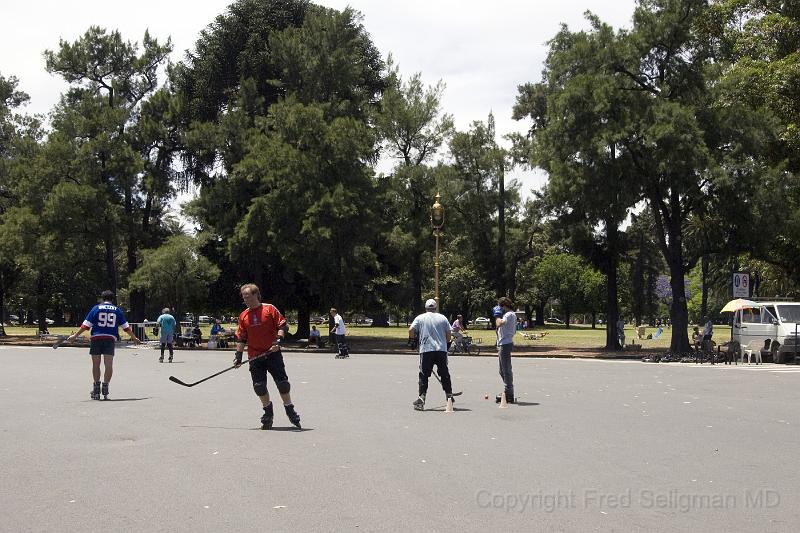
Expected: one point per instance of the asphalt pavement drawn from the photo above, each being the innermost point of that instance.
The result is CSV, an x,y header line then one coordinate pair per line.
x,y
591,446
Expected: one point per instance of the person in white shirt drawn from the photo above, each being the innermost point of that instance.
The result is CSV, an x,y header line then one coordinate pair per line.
x,y
433,331
505,320
339,331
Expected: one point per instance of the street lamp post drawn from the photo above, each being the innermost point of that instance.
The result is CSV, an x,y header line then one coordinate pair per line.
x,y
437,221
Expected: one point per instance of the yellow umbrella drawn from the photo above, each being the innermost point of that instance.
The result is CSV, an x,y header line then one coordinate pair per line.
x,y
737,304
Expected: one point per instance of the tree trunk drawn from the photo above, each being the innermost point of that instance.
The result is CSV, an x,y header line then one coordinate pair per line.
x,y
41,304
2,312
679,313
638,284
502,287
704,301
416,283
303,321
540,313
612,308
111,266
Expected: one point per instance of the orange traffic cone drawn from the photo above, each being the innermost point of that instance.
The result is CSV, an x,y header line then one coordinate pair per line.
x,y
449,408
503,401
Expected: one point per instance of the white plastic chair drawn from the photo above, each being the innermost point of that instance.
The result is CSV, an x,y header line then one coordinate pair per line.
x,y
753,348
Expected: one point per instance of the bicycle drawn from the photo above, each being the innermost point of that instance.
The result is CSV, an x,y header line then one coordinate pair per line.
x,y
466,346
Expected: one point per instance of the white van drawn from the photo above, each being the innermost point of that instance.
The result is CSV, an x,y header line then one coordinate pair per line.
x,y
771,321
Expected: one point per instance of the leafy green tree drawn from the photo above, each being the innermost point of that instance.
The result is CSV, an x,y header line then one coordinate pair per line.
x,y
758,43
484,203
98,121
175,273
285,168
413,130
561,276
593,287
10,100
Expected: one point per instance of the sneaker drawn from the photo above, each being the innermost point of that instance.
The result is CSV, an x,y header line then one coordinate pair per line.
x,y
105,391
161,359
499,398
95,393
419,403
170,358
451,398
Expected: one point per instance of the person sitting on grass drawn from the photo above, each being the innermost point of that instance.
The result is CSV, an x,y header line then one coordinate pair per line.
x,y
697,339
314,337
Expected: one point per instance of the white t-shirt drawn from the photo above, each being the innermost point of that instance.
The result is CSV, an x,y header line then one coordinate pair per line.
x,y
505,333
431,329
339,321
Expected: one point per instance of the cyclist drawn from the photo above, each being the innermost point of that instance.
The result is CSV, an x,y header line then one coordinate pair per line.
x,y
459,330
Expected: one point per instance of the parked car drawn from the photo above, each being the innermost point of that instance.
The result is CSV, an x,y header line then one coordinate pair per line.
x,y
553,320
480,321
319,319
13,318
203,319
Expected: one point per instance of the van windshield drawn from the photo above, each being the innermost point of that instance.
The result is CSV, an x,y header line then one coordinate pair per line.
x,y
789,313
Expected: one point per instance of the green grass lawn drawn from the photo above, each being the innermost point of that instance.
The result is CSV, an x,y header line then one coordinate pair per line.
x,y
576,336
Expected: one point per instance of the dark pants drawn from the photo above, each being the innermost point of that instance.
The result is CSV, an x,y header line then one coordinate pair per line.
x,y
506,372
341,345
272,364
426,362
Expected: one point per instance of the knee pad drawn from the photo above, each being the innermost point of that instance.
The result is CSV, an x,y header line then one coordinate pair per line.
x,y
260,387
283,387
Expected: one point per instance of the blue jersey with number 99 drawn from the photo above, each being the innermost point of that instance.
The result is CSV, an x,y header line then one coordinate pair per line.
x,y
104,319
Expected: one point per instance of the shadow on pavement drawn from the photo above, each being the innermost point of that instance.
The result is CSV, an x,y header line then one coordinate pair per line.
x,y
118,400
282,428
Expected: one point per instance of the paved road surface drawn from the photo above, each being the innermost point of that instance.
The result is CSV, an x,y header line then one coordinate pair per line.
x,y
593,446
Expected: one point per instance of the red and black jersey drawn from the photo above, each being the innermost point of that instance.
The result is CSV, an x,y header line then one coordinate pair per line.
x,y
259,327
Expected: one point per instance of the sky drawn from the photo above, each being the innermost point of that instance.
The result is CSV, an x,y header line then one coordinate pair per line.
x,y
481,50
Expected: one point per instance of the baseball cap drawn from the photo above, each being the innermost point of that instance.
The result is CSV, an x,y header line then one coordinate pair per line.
x,y
430,304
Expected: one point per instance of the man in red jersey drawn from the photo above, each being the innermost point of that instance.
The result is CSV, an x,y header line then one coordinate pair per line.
x,y
261,329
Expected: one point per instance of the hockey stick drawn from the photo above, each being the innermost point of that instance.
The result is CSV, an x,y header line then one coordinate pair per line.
x,y
459,393
179,382
61,339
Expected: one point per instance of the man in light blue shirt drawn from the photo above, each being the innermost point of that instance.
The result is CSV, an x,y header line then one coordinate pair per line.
x,y
166,325
433,331
505,320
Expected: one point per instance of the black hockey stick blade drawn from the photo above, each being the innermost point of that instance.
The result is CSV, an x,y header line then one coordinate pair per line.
x,y
179,382
459,393
59,341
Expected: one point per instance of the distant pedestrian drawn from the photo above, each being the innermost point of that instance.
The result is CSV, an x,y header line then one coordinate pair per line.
x,y
104,321
339,330
433,332
505,321
166,325
458,330
621,332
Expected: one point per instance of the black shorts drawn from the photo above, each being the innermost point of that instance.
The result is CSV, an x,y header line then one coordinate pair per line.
x,y
101,347
273,364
